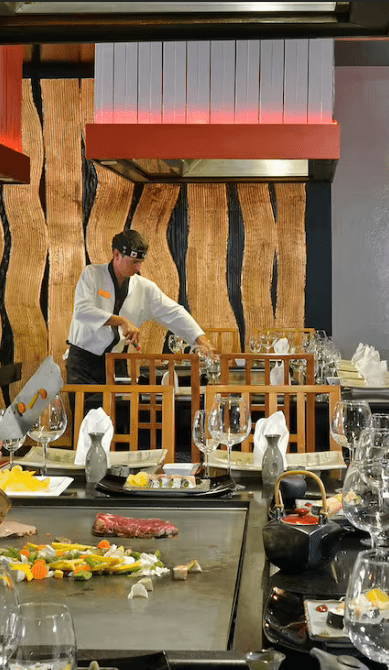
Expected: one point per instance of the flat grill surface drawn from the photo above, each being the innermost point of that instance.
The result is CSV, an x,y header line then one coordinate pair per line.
x,y
178,615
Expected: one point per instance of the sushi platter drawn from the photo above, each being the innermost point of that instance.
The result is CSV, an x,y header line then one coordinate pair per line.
x,y
317,616
215,486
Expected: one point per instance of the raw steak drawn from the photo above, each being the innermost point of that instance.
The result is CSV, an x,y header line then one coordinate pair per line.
x,y
122,526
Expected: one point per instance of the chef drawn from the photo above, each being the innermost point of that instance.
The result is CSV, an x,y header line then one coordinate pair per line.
x,y
112,300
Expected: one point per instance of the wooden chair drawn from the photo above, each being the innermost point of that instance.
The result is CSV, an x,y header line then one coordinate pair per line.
x,y
136,395
304,437
223,339
154,362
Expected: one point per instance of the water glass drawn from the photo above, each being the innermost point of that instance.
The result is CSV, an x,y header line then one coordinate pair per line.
x,y
51,424
42,636
199,433
366,607
11,445
9,600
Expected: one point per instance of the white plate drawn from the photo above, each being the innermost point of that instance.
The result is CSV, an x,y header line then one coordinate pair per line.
x,y
318,460
316,621
57,486
63,459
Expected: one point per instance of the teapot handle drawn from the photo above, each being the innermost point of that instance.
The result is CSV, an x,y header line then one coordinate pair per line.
x,y
277,496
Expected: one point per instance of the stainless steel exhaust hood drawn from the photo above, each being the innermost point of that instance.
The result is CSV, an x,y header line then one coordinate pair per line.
x,y
219,153
231,110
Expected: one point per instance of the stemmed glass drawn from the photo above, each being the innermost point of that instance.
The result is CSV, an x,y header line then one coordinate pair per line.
x,y
11,445
229,422
42,635
9,600
366,620
365,504
349,419
199,433
50,426
176,344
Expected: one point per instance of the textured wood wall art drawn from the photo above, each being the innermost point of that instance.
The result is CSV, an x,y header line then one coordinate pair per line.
x,y
207,256
69,213
28,252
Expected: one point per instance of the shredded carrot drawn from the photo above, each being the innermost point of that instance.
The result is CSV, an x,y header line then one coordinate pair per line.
x,y
82,567
39,569
25,552
104,544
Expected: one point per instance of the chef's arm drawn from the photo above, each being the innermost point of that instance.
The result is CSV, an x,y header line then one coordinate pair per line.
x,y
130,332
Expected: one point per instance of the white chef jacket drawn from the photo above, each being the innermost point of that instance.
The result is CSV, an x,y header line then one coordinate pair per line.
x,y
94,304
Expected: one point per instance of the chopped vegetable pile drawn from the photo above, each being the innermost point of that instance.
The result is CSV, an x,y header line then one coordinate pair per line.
x,y
18,479
79,561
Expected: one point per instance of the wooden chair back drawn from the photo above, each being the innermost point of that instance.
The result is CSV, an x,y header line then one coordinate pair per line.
x,y
265,362
224,340
304,436
154,362
261,375
136,395
298,335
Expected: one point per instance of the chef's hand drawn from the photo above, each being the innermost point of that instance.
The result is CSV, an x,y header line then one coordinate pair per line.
x,y
206,347
130,332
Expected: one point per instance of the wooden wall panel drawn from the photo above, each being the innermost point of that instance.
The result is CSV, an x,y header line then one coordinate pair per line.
x,y
62,136
207,256
28,252
151,219
292,255
258,262
113,198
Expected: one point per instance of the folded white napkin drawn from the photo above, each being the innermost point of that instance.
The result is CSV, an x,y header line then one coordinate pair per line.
x,y
376,373
165,380
96,421
273,425
277,374
281,346
358,353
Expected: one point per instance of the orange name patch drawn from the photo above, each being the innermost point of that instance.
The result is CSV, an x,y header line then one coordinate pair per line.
x,y
105,294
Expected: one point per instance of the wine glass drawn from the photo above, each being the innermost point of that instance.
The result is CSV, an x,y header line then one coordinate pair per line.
x,y
366,614
365,504
9,600
350,417
380,420
42,636
11,445
50,426
199,433
213,368
175,343
229,422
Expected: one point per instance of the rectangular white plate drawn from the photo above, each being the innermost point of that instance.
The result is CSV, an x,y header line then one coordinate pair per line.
x,y
319,460
64,458
316,621
57,486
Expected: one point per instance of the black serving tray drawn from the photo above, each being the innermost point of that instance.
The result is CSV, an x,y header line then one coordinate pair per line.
x,y
218,486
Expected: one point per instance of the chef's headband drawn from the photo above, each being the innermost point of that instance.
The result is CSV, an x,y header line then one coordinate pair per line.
x,y
124,245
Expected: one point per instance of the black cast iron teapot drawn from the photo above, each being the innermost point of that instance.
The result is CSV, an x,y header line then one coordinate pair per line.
x,y
299,542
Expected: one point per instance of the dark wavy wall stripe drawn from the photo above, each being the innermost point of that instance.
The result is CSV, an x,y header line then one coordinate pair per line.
x,y
235,250
273,199
89,188
136,196
274,285
7,342
318,292
177,237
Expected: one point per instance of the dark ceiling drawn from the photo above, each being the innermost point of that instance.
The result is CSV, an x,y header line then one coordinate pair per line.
x,y
354,19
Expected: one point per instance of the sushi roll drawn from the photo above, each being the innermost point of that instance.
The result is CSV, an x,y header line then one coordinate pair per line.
x,y
176,481
166,481
335,617
153,482
188,482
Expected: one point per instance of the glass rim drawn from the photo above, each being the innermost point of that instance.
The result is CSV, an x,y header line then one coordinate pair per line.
x,y
44,610
380,556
